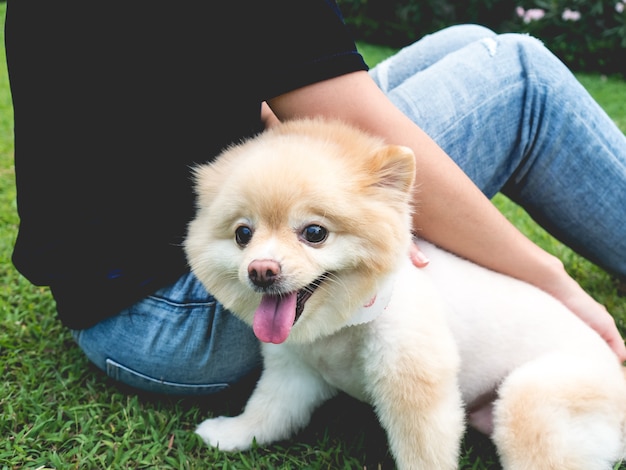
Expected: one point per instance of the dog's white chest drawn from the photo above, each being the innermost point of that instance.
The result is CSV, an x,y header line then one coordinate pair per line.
x,y
337,360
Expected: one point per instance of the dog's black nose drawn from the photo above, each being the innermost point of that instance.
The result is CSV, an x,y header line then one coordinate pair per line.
x,y
263,272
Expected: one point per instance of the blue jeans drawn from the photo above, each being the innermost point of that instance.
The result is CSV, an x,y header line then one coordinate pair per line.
x,y
514,119
178,341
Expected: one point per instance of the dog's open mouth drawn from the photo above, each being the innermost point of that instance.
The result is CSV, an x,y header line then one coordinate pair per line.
x,y
277,314
305,293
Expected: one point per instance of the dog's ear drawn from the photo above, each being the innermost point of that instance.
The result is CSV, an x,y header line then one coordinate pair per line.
x,y
394,168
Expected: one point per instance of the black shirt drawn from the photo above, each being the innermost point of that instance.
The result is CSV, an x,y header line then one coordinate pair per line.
x,y
114,103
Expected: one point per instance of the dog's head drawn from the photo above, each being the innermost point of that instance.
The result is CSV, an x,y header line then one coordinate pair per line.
x,y
296,228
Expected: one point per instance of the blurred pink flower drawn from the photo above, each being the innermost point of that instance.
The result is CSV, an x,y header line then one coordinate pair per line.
x,y
570,15
619,7
532,14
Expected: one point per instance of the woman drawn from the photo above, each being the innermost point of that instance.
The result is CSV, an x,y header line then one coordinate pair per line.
x,y
113,105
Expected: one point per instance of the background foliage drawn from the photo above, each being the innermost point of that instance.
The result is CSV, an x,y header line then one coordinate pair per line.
x,y
588,35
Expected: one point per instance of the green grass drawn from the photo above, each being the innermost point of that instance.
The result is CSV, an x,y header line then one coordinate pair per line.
x,y
57,411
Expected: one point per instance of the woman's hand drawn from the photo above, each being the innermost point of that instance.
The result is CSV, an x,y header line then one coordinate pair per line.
x,y
594,314
418,258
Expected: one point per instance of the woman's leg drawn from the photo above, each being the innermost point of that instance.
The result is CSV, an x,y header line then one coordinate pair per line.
x,y
517,121
424,53
178,341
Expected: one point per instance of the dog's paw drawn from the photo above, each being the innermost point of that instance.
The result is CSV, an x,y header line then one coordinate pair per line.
x,y
228,434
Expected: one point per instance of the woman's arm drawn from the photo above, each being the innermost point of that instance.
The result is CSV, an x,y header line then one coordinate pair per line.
x,y
451,211
268,118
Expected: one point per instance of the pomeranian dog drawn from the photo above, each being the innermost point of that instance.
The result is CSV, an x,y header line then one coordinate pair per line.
x,y
304,232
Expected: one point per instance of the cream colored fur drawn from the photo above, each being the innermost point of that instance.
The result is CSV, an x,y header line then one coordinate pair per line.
x,y
452,337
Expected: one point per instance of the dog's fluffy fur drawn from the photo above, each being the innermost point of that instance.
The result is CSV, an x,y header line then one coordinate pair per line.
x,y
320,207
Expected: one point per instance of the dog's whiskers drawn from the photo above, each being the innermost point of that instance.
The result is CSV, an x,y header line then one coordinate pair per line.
x,y
332,278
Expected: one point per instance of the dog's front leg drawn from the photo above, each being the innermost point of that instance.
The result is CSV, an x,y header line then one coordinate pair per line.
x,y
418,402
282,403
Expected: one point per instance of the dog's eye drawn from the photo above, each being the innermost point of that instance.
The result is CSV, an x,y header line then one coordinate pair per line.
x,y
314,234
243,235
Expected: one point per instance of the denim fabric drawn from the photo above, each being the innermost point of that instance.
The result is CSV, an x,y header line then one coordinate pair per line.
x,y
512,117
516,120
178,341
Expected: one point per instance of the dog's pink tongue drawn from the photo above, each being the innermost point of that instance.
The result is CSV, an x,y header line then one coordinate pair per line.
x,y
274,317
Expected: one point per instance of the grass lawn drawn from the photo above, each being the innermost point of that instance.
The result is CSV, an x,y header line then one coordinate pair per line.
x,y
57,411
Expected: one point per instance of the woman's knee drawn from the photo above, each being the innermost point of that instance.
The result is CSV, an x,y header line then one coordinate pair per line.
x,y
465,33
424,53
538,62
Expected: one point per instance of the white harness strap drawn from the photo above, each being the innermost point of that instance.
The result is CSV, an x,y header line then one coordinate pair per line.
x,y
376,306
